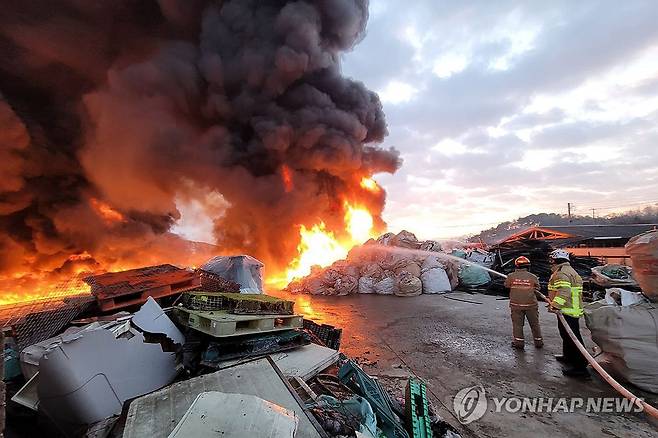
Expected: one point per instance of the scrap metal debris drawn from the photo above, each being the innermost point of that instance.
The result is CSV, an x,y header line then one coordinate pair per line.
x,y
236,351
241,415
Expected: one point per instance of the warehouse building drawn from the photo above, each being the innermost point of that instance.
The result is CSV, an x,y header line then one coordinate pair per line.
x,y
604,241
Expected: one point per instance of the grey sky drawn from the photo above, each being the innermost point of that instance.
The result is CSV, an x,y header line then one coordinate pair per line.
x,y
504,108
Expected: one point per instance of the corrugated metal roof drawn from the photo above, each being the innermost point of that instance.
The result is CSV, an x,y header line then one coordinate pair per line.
x,y
571,234
600,231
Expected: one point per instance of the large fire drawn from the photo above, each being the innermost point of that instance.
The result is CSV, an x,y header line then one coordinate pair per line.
x,y
100,149
321,247
45,290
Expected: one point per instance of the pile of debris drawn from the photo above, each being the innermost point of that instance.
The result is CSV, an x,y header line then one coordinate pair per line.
x,y
613,275
221,346
398,264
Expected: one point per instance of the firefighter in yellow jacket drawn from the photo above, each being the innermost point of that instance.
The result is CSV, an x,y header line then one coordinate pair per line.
x,y
523,286
565,295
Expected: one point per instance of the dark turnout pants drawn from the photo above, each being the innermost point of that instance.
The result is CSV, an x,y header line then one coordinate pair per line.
x,y
569,349
519,316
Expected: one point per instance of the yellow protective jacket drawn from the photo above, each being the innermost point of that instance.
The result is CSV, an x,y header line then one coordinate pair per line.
x,y
565,290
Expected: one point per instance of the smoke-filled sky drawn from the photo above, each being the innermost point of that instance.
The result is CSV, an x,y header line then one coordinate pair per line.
x,y
237,121
116,117
505,108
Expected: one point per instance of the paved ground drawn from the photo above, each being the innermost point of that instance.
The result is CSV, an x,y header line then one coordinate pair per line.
x,y
454,344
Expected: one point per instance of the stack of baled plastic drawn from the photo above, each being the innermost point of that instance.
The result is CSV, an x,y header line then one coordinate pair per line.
x,y
394,264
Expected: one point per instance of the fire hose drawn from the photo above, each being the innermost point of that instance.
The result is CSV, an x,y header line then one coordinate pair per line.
x,y
650,410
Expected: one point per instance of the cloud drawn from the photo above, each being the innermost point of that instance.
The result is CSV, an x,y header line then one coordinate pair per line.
x,y
516,108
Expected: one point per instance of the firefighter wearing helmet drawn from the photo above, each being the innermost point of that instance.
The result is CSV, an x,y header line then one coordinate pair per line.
x,y
523,286
565,295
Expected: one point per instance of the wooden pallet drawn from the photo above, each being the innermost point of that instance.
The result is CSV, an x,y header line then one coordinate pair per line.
x,y
240,304
222,324
117,290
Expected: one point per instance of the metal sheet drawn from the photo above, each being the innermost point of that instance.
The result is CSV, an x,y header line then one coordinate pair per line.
x,y
88,379
151,318
217,413
27,395
155,415
305,362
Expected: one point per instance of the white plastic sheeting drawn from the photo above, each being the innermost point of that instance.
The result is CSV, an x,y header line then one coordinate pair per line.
x,y
366,285
434,277
242,269
628,337
386,286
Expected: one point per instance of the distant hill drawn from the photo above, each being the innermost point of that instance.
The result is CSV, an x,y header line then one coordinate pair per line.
x,y
505,229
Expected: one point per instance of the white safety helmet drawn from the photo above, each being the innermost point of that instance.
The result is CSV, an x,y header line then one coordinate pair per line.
x,y
559,254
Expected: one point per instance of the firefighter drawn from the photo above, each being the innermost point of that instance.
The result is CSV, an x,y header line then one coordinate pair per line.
x,y
523,286
565,295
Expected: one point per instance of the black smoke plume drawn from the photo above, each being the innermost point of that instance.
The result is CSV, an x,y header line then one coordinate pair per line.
x,y
132,105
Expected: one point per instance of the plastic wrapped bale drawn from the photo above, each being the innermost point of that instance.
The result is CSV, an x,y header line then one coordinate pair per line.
x,y
405,239
408,285
628,337
372,270
367,285
388,285
346,285
385,239
330,276
314,285
643,250
393,260
473,276
346,267
430,245
243,269
371,273
408,265
434,279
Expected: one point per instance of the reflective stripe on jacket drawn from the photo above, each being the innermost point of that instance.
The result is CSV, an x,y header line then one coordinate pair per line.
x,y
565,290
522,285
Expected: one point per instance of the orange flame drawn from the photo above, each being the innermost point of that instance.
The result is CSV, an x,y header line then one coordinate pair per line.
x,y
370,184
80,257
47,291
320,247
106,212
286,176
